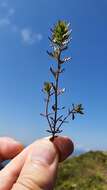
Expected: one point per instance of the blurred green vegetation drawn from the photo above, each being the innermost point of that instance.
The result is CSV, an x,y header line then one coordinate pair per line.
x,y
85,172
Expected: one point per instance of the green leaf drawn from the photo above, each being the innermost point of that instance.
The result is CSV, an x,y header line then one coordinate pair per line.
x,y
47,87
79,109
61,33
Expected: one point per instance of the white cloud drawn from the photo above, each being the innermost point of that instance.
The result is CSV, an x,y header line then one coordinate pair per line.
x,y
6,19
4,22
11,11
4,4
39,37
29,37
26,34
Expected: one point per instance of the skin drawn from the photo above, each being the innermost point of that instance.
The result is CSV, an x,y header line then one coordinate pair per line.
x,y
34,167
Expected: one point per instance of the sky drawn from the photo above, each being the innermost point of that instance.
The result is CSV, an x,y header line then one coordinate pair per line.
x,y
24,66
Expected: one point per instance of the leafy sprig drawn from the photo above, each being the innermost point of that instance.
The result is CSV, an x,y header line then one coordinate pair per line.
x,y
60,39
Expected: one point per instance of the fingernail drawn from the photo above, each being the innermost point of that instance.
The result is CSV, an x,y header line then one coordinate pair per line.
x,y
44,152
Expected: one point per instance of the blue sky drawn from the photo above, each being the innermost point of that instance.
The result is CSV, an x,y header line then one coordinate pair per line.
x,y
24,66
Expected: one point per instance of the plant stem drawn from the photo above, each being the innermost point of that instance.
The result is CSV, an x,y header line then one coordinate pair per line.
x,y
56,94
66,117
47,105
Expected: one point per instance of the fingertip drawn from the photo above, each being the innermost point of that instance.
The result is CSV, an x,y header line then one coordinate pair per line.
x,y
9,148
64,146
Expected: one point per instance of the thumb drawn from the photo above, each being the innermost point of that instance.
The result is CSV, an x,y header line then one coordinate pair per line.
x,y
40,168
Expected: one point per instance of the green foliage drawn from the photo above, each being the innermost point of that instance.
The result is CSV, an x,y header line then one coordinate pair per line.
x,y
85,172
47,87
61,33
79,109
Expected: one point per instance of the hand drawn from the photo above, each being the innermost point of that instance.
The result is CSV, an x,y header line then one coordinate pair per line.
x,y
35,167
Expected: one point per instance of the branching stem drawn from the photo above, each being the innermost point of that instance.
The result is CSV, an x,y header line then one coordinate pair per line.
x,y
65,118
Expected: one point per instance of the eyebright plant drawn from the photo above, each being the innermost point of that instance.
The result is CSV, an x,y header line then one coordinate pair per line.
x,y
60,39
